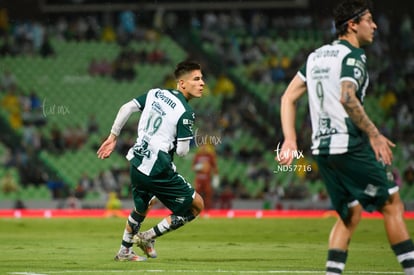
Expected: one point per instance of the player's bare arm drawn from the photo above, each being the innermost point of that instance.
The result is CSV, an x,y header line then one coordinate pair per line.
x,y
295,89
380,144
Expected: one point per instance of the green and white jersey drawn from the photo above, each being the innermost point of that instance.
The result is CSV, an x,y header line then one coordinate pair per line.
x,y
333,132
166,118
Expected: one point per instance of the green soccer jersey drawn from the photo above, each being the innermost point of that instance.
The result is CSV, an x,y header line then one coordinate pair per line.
x,y
333,132
166,118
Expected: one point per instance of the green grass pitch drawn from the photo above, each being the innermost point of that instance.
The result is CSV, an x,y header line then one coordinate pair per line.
x,y
204,246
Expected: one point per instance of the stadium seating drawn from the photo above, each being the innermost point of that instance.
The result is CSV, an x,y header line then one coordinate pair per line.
x,y
70,95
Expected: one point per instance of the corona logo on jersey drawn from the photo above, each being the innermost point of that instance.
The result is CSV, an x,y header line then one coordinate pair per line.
x,y
160,94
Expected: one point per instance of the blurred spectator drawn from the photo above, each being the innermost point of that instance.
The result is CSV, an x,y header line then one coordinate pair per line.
x,y
92,125
225,87
8,47
226,197
35,102
108,34
74,137
109,182
406,36
4,21
127,26
56,186
58,142
31,138
297,190
46,49
388,101
408,175
72,202
123,68
83,186
157,56
11,104
405,119
205,167
113,203
272,195
19,204
8,183
11,101
100,67
8,80
169,82
61,28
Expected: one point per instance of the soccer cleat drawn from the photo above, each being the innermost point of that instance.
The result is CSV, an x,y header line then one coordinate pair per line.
x,y
147,245
127,255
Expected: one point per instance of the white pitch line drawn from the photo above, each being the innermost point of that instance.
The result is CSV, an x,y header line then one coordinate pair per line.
x,y
198,272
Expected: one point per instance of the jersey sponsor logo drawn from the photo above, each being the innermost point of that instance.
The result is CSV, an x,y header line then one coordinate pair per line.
x,y
326,53
187,121
157,108
371,190
180,200
160,95
319,73
324,126
350,62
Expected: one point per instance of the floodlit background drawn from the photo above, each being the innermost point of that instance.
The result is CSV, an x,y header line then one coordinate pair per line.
x,y
67,66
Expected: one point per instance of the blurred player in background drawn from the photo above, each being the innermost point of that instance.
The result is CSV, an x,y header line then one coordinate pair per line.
x,y
165,127
351,153
205,167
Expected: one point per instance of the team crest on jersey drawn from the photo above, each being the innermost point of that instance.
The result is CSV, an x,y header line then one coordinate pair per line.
x,y
325,127
371,190
357,73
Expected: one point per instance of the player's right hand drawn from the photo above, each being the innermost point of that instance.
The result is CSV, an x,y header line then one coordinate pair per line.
x,y
106,148
284,155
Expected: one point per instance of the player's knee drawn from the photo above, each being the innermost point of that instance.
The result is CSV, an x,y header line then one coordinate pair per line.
x,y
354,217
197,205
393,207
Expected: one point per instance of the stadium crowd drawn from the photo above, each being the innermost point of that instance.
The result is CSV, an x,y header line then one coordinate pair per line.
x,y
247,41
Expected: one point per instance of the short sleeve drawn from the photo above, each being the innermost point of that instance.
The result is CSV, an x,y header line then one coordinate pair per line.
x,y
354,68
302,72
185,126
141,101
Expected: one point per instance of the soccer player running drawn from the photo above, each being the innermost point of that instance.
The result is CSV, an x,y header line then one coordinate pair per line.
x,y
351,153
165,127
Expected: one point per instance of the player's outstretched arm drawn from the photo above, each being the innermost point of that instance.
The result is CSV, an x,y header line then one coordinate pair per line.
x,y
122,117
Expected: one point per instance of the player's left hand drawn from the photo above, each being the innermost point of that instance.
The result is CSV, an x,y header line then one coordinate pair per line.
x,y
382,148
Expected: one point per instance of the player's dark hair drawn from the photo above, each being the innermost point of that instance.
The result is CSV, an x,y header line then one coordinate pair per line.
x,y
349,10
185,67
